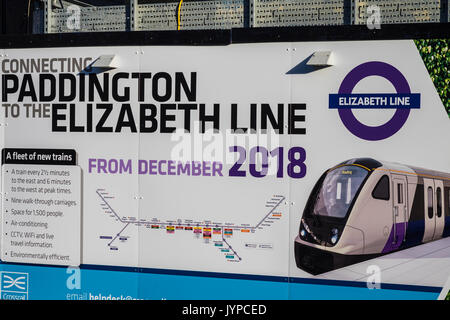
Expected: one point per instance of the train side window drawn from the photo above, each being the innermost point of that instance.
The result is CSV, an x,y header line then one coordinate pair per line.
x,y
399,193
430,202
439,202
381,190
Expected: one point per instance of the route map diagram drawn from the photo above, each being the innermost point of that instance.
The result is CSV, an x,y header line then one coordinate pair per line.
x,y
218,234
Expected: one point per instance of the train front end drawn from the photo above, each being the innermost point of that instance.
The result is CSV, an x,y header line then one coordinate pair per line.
x,y
325,240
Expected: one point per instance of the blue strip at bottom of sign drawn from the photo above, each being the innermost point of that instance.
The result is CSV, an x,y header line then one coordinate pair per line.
x,y
92,282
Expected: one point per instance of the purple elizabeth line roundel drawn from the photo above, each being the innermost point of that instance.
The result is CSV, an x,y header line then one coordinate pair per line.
x,y
387,71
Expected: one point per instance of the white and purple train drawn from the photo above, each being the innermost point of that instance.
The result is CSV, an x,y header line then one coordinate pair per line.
x,y
364,208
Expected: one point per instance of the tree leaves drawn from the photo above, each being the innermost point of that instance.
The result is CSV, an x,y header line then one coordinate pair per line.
x,y
436,56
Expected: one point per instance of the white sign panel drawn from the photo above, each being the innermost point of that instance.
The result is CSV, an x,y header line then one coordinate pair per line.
x,y
206,158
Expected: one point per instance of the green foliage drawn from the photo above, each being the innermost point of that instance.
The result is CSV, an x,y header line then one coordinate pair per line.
x,y
448,296
436,56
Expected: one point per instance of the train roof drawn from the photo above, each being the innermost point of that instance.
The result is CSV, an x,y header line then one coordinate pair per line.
x,y
395,167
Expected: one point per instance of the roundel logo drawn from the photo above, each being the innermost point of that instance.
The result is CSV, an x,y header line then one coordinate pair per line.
x,y
403,101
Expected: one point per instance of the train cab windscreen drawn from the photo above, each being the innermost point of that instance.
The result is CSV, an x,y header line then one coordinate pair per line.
x,y
338,190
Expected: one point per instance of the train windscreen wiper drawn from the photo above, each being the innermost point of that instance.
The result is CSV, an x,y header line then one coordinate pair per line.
x,y
314,215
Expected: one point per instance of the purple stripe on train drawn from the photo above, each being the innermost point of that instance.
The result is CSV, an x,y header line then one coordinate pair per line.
x,y
393,244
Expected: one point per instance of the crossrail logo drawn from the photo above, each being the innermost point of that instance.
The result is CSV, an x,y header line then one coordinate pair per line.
x,y
403,101
14,286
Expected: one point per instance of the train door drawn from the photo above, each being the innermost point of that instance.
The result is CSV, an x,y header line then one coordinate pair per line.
x,y
400,208
439,213
430,209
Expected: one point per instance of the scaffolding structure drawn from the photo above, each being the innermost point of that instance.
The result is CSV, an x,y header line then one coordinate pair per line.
x,y
76,16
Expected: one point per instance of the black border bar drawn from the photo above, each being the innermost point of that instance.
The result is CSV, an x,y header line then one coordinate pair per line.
x,y
226,37
342,33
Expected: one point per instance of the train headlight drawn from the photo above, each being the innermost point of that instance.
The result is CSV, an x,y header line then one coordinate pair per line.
x,y
334,238
302,230
302,233
334,235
